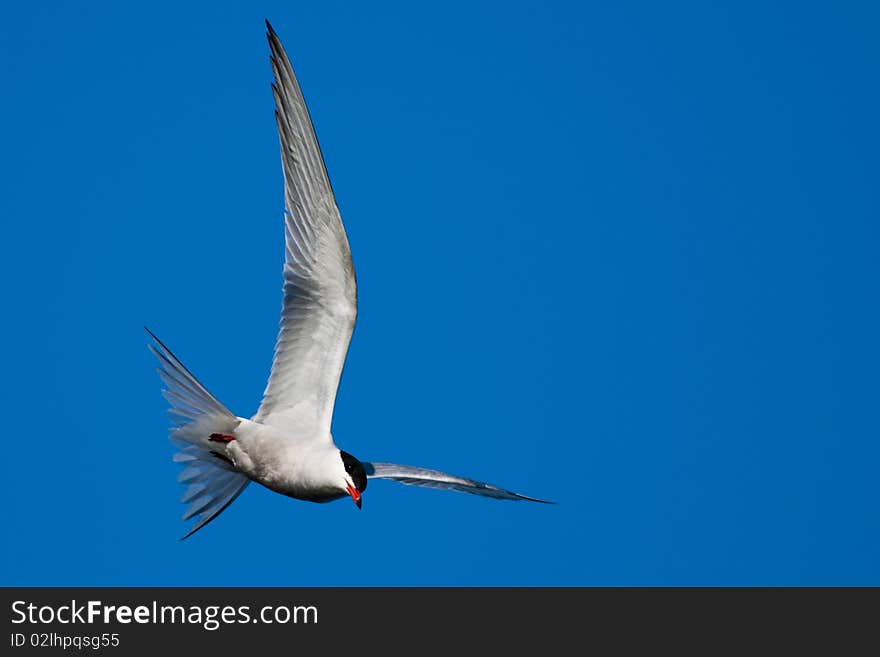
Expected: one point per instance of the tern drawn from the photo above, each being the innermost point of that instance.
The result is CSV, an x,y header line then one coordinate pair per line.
x,y
287,446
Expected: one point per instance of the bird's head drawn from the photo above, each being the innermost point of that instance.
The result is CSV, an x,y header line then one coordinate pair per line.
x,y
354,478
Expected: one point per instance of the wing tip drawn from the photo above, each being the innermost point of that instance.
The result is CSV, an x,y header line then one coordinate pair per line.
x,y
526,498
156,342
272,36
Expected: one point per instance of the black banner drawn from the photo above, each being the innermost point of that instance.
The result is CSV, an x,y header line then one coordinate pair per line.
x,y
338,621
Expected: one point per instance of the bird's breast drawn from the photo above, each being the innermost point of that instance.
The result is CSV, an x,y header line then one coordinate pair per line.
x,y
295,468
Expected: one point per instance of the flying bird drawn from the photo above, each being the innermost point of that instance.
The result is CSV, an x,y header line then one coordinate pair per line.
x,y
287,446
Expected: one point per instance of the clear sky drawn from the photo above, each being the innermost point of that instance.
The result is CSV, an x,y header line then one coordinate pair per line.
x,y
620,255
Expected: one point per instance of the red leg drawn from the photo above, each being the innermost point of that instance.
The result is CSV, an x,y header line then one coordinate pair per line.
x,y
221,438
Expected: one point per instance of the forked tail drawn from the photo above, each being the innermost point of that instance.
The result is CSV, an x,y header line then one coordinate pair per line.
x,y
212,482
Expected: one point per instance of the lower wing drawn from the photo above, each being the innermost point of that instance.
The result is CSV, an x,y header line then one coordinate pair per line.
x,y
407,474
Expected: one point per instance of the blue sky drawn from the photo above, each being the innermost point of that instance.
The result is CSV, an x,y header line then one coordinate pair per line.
x,y
619,255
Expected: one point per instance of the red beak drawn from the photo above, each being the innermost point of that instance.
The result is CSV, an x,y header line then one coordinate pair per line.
x,y
355,494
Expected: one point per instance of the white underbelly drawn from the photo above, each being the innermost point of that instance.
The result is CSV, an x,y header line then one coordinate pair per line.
x,y
281,464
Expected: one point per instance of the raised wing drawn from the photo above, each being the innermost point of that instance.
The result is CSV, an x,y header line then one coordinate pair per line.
x,y
320,293
407,474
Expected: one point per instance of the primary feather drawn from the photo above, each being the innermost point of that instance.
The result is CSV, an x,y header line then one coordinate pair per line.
x,y
319,308
415,476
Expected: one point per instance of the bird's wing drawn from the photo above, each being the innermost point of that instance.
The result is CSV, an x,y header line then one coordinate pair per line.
x,y
407,474
320,293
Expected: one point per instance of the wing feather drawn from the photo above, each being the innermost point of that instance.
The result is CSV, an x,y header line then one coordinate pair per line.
x,y
320,293
414,476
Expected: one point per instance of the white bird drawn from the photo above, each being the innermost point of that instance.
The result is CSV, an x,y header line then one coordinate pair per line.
x,y
287,446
